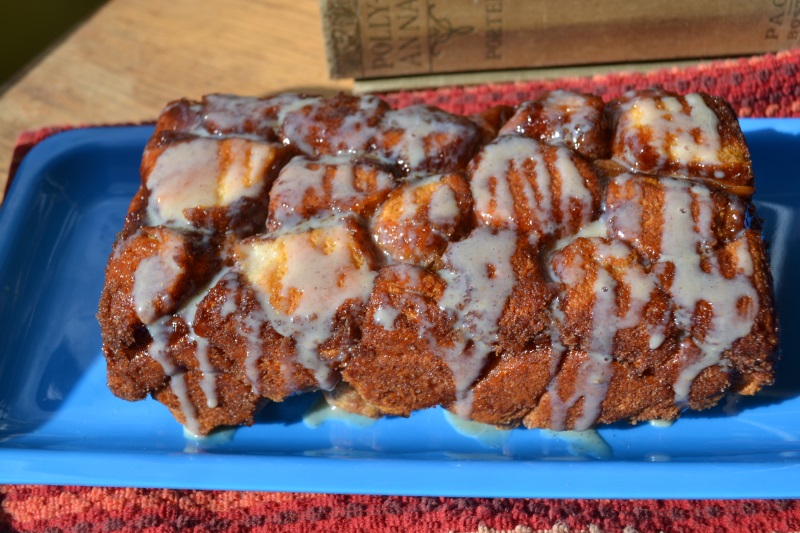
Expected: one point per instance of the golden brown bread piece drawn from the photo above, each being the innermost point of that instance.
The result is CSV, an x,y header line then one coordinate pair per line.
x,y
204,183
533,187
308,188
234,403
512,386
421,216
561,264
149,276
563,118
401,363
233,321
424,139
227,115
343,124
693,136
491,120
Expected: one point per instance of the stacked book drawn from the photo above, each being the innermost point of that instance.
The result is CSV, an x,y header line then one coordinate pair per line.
x,y
368,39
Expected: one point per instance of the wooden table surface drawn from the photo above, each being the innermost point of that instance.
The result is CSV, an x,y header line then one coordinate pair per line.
x,y
133,56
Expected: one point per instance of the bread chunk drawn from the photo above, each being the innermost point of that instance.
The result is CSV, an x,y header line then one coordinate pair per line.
x,y
687,136
345,397
522,184
311,188
228,115
563,118
561,264
408,344
420,217
340,125
423,139
206,183
304,305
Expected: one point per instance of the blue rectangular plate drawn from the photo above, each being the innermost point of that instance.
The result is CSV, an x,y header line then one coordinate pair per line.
x,y
59,424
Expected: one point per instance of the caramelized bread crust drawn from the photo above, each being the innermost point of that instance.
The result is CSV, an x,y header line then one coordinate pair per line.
x,y
561,264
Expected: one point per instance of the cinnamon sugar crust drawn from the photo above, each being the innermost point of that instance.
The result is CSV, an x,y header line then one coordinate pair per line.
x,y
562,264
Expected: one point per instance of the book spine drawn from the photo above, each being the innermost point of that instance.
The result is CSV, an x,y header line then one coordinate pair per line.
x,y
384,38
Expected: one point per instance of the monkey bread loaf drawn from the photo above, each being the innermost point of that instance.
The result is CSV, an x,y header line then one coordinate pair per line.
x,y
562,264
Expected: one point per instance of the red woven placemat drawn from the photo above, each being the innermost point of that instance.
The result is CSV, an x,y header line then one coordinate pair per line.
x,y
761,86
85,509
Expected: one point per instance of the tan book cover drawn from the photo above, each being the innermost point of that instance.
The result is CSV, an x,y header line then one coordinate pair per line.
x,y
387,38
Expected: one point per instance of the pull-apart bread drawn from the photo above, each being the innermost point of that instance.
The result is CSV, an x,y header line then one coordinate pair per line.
x,y
562,264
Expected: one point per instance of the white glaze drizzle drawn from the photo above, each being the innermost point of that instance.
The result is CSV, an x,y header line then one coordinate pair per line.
x,y
248,328
596,375
322,412
443,209
496,204
293,103
692,285
686,242
208,381
228,113
661,122
421,128
204,172
607,319
303,177
161,330
489,436
184,176
641,286
155,275
597,228
587,443
352,136
572,187
301,302
385,315
177,383
477,299
570,116
158,349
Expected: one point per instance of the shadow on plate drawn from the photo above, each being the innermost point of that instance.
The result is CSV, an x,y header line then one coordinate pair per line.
x,y
777,201
63,210
288,412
